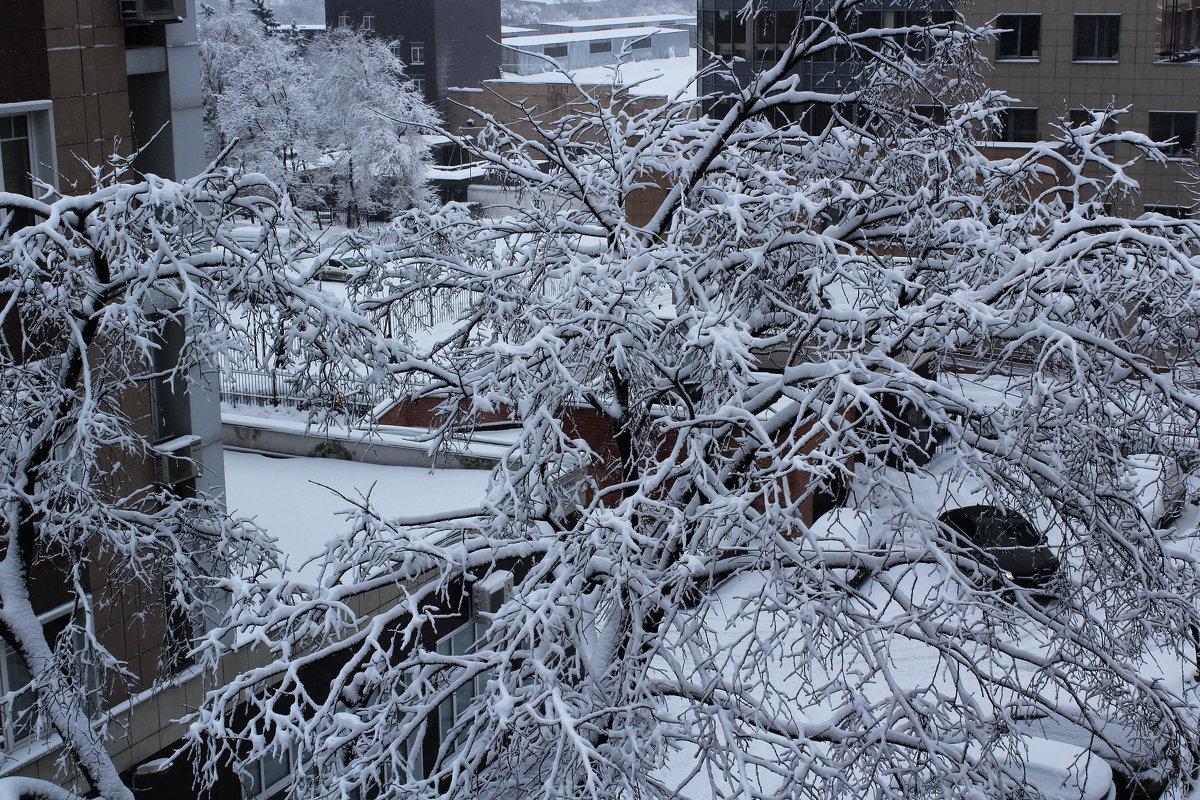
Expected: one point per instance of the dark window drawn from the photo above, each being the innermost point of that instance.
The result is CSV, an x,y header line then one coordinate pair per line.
x,y
555,51
1022,37
1178,212
344,19
15,163
935,114
1181,35
368,23
640,44
417,50
600,47
1177,125
1018,125
1097,37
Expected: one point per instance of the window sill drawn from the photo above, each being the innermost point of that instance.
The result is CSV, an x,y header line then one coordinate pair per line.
x,y
1019,60
27,753
1095,61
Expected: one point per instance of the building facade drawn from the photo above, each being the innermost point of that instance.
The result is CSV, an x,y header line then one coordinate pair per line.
x,y
443,43
1057,58
528,55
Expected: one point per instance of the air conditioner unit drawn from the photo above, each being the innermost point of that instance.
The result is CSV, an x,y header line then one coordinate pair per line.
x,y
490,593
153,10
174,462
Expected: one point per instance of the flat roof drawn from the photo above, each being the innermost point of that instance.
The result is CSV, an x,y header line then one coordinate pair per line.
x,y
584,36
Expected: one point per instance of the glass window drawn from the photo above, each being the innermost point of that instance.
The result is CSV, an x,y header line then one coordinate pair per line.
x,y
1177,125
266,776
1178,212
368,22
600,47
1022,37
18,717
417,52
1097,37
460,642
640,44
555,51
15,161
1079,116
344,19
419,85
1018,125
1181,35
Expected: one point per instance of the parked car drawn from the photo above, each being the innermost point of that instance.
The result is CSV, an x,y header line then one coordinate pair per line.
x,y
335,265
1006,541
1158,484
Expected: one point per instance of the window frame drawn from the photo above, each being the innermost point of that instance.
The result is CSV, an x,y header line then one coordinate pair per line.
x,y
343,20
1019,34
40,730
368,23
1006,126
1175,152
1188,212
599,47
1095,59
416,54
547,47
39,117
287,756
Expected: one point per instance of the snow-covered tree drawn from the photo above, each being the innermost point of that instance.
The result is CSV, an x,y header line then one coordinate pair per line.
x,y
759,303
337,109
371,121
93,288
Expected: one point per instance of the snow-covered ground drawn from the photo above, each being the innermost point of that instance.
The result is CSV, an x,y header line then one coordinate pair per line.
x,y
302,502
656,77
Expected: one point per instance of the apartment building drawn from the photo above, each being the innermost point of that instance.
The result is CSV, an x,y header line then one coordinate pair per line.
x,y
1056,58
443,43
83,80
529,55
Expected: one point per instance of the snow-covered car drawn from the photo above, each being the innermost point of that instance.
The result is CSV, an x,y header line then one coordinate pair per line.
x,y
336,265
1158,484
251,235
1006,541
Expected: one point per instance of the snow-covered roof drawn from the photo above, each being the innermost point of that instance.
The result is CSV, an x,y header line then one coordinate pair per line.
x,y
646,19
512,30
288,496
582,36
654,77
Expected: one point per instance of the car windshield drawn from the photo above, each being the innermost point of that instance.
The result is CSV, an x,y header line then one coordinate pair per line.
x,y
1007,531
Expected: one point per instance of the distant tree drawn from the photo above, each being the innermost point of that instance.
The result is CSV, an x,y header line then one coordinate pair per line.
x,y
370,122
264,14
334,110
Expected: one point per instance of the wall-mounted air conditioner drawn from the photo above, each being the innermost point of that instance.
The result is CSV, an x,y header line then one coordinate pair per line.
x,y
153,10
174,460
490,593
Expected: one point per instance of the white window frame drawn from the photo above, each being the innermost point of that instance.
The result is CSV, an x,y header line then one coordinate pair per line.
x,y
344,19
287,755
416,52
43,155
42,731
368,23
446,646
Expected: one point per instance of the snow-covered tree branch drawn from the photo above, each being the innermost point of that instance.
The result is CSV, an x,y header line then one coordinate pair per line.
x,y
759,306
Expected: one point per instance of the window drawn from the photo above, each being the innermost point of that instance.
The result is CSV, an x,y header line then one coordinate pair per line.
x,y
555,51
368,23
18,715
344,19
26,152
1178,212
1097,37
1022,37
419,85
417,53
460,642
1017,125
397,50
268,775
1177,125
600,47
1181,35
640,44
